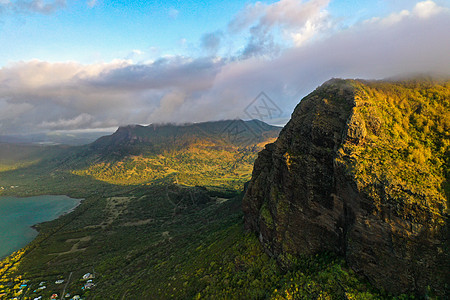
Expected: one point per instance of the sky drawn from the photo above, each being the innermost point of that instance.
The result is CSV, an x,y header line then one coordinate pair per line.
x,y
69,65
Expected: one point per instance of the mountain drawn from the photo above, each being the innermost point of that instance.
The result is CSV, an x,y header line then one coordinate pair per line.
x,y
361,170
160,138
218,155
150,237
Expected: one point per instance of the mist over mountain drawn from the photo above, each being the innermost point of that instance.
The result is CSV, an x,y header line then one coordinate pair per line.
x,y
285,48
54,138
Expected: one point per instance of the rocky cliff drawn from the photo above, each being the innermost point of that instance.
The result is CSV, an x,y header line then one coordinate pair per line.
x,y
360,170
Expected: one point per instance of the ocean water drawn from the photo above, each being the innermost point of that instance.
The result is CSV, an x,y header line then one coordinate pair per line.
x,y
18,214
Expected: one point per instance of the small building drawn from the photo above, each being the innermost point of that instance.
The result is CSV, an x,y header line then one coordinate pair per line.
x,y
59,281
88,276
54,296
88,286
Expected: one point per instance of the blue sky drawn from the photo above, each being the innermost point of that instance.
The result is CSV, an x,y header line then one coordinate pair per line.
x,y
111,29
88,65
86,32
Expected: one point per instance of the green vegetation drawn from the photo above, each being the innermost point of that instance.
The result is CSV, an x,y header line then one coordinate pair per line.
x,y
197,165
168,242
197,154
16,156
163,219
405,152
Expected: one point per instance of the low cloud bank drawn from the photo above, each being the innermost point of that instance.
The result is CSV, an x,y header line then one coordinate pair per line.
x,y
41,96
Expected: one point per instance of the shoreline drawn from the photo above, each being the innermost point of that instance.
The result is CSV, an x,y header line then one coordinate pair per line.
x,y
21,235
36,226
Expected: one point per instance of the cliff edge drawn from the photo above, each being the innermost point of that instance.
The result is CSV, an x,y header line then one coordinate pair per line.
x,y
361,170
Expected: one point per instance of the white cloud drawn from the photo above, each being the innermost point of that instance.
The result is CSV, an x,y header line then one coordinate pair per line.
x,y
114,94
292,13
79,121
395,17
427,9
247,17
169,103
422,10
310,29
182,89
299,21
134,55
137,52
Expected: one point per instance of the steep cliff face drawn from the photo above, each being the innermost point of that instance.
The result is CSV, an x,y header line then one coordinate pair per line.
x,y
360,170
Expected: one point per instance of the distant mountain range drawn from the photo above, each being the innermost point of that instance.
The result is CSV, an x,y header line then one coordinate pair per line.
x,y
253,129
219,153
137,139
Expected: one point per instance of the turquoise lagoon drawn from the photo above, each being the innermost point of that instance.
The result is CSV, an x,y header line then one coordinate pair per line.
x,y
18,214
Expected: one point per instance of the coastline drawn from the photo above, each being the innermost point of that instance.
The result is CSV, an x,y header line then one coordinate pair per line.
x,y
36,226
72,209
17,233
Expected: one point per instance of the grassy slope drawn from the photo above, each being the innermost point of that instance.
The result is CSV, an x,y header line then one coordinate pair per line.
x,y
198,165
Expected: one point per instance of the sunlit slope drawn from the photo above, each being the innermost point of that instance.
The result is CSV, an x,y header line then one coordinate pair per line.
x,y
403,144
215,154
207,154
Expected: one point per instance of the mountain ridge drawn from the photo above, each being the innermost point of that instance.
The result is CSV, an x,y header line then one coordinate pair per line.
x,y
214,130
218,154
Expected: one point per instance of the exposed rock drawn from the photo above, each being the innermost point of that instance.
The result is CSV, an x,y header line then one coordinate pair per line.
x,y
323,187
